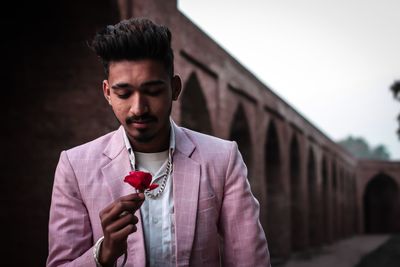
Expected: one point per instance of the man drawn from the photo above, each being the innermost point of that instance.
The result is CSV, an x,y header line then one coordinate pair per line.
x,y
201,214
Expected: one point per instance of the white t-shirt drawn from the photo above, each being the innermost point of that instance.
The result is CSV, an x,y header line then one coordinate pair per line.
x,y
157,214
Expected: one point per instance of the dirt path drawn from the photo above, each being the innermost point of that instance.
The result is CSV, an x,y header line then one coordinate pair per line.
x,y
345,253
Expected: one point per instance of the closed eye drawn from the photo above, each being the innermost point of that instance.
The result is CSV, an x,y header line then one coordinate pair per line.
x,y
154,87
154,91
124,95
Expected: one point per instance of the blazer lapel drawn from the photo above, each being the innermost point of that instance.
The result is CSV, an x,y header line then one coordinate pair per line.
x,y
186,179
114,173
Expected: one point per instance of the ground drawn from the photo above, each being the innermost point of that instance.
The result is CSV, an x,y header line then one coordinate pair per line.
x,y
365,250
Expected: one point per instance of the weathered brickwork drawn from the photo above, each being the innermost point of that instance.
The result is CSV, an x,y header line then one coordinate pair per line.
x,y
310,189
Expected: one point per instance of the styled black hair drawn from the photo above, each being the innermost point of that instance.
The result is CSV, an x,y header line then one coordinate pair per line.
x,y
134,39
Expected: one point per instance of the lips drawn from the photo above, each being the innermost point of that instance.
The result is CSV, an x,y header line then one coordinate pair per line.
x,y
140,123
140,120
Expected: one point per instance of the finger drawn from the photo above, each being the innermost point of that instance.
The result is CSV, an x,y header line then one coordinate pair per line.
x,y
117,209
123,233
134,196
122,206
121,223
130,197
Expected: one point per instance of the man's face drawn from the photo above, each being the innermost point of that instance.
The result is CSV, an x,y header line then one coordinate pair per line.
x,y
141,94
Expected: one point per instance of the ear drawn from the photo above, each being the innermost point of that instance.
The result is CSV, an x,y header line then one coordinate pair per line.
x,y
106,91
176,85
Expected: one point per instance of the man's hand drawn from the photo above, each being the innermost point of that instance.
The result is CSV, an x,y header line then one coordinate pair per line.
x,y
118,222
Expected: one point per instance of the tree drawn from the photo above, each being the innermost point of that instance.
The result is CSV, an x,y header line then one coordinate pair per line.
x,y
360,148
395,88
380,152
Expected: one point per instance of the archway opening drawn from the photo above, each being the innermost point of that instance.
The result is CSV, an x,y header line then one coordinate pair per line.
x,y
355,211
194,111
276,221
241,134
346,217
381,205
296,198
334,199
325,201
313,201
341,195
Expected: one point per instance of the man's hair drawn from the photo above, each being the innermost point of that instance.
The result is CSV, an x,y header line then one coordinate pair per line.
x,y
134,39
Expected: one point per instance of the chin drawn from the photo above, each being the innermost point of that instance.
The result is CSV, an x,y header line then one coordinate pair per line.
x,y
142,136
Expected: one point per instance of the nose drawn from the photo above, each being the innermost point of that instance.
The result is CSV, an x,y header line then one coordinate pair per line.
x,y
139,105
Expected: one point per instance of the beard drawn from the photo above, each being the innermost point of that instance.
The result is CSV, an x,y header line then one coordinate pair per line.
x,y
145,136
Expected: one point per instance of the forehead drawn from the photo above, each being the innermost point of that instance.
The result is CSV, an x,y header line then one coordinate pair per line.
x,y
136,71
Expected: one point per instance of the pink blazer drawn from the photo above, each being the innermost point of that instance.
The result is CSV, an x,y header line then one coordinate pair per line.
x,y
216,215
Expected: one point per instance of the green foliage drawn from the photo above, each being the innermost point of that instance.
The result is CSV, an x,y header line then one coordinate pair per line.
x,y
395,88
359,147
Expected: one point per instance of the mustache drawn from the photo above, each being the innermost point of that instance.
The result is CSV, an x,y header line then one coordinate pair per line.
x,y
138,119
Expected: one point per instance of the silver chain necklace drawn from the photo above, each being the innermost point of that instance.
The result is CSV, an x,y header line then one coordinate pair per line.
x,y
161,186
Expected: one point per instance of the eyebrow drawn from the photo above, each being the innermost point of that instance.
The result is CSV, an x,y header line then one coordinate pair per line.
x,y
121,86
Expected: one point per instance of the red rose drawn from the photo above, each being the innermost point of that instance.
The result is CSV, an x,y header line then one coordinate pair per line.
x,y
140,180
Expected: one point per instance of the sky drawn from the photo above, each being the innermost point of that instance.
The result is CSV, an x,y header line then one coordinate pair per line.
x,y
332,60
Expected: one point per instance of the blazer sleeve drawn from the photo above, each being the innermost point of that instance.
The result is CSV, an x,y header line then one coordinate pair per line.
x,y
70,233
244,241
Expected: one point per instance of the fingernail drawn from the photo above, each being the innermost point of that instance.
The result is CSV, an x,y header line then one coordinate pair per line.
x,y
141,195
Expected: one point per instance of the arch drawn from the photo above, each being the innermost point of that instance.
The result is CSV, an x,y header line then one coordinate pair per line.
x,y
381,205
348,204
296,197
345,203
334,198
313,201
194,111
325,201
341,195
276,227
241,134
355,211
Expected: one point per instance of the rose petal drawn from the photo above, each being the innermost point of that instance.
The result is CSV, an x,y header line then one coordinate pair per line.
x,y
153,186
138,179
